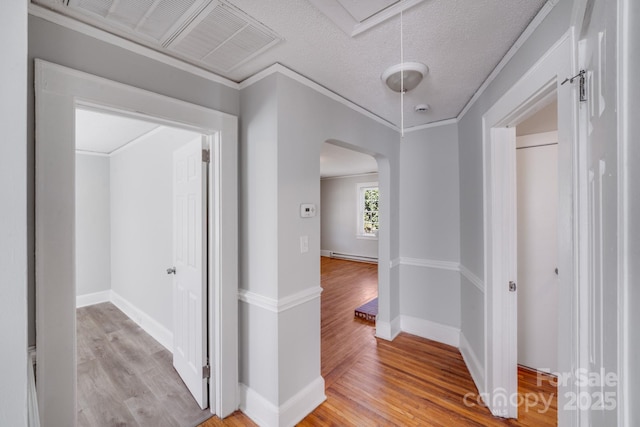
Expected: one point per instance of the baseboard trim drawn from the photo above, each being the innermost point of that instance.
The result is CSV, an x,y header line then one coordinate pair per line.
x,y
94,298
161,334
266,414
388,330
473,364
325,253
431,330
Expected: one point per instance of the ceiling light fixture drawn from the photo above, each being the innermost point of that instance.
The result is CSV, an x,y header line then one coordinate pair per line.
x,y
405,76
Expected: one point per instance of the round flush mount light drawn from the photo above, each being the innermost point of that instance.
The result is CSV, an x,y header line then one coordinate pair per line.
x,y
404,77
421,108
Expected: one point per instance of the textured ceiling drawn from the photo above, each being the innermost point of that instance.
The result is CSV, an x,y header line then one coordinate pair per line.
x,y
460,40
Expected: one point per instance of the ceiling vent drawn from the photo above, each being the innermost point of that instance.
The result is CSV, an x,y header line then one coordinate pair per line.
x,y
213,34
223,37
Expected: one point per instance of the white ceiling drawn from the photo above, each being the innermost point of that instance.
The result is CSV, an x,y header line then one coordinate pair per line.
x,y
459,40
98,132
338,161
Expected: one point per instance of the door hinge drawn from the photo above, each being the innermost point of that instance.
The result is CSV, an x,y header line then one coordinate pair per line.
x,y
206,372
206,157
582,81
512,286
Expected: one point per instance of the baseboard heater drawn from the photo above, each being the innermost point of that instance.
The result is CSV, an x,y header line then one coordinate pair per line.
x,y
351,257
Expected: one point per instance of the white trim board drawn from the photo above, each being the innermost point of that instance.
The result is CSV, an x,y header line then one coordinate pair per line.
x,y
93,298
267,414
151,326
282,304
476,369
475,280
161,334
430,330
430,263
388,330
279,68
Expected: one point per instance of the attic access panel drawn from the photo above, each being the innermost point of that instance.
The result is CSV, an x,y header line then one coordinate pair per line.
x,y
210,33
357,16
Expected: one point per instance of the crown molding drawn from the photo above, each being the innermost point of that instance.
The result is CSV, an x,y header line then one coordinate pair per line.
x,y
533,25
96,33
279,68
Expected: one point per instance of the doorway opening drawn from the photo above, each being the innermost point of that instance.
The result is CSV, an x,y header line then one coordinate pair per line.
x,y
59,91
540,85
126,223
349,209
537,256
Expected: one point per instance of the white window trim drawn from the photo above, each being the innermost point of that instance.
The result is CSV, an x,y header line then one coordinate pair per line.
x,y
360,188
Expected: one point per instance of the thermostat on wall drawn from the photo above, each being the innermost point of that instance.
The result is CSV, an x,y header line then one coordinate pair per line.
x,y
307,210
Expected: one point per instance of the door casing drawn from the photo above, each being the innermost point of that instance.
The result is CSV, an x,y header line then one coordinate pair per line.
x,y
540,83
58,91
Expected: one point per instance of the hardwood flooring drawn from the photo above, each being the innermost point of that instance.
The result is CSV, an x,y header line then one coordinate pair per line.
x,y
125,377
408,382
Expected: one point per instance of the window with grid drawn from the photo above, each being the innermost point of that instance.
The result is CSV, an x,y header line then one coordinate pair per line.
x,y
368,216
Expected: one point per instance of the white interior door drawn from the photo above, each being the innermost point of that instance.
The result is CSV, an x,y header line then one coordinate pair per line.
x,y
537,171
190,272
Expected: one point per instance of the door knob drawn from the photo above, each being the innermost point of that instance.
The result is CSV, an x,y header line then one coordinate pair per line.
x,y
171,270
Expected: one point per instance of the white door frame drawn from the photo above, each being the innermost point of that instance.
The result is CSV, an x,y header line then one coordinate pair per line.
x,y
542,81
58,91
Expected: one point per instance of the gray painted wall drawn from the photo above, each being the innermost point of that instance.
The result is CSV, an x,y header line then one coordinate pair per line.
x,y
470,163
66,47
93,224
13,225
339,216
306,119
430,224
283,125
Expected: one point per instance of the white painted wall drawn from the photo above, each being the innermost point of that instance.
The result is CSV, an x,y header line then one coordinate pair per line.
x,y
142,222
13,225
93,224
339,216
537,194
429,225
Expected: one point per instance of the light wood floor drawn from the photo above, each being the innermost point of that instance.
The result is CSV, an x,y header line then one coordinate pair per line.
x,y
125,377
408,382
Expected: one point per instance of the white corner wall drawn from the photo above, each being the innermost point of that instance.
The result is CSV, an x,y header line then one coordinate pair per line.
x,y
142,222
430,234
13,225
283,126
339,216
93,224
